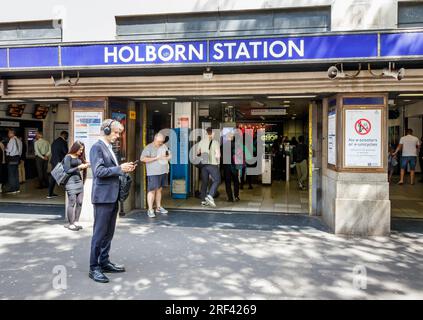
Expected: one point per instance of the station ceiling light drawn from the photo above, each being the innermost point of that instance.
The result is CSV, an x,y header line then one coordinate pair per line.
x,y
154,99
410,95
11,101
49,100
291,97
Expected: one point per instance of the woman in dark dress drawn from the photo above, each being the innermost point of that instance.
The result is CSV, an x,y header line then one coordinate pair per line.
x,y
74,163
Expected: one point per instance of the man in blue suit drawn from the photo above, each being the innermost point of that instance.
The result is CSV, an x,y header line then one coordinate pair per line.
x,y
105,192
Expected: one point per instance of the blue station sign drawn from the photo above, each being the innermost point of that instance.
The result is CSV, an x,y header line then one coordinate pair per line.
x,y
335,47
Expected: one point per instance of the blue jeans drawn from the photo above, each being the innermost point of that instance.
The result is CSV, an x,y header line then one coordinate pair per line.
x,y
214,172
408,160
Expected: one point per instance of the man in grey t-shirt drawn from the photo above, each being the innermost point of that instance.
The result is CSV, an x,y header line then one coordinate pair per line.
x,y
156,157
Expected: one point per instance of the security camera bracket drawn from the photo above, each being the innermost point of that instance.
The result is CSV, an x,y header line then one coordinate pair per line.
x,y
65,80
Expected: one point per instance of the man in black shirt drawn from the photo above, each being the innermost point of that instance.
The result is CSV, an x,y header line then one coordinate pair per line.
x,y
59,149
301,156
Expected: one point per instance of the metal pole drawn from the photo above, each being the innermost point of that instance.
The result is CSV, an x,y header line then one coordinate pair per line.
x,y
288,168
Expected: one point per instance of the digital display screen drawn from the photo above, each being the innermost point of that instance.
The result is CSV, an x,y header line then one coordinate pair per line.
x,y
15,110
40,112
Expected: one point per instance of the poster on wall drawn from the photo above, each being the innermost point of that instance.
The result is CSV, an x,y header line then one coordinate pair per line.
x,y
332,136
363,138
119,147
87,125
59,127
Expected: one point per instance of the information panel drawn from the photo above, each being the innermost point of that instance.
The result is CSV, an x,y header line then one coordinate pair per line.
x,y
363,138
87,126
332,136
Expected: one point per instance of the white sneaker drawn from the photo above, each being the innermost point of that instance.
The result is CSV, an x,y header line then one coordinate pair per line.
x,y
210,201
151,214
204,203
161,210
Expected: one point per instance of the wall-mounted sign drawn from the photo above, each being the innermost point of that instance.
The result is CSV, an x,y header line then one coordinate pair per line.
x,y
132,115
9,124
40,111
363,138
332,136
268,112
361,46
15,110
203,112
86,128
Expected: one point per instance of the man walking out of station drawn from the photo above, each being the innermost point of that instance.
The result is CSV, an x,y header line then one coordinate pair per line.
x,y
409,145
209,151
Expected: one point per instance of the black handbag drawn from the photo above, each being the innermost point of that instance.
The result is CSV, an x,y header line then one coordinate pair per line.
x,y
125,182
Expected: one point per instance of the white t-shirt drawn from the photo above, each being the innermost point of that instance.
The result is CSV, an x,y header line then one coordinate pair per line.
x,y
409,145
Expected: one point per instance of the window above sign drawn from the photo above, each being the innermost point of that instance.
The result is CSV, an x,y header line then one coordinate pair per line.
x,y
221,24
30,32
410,14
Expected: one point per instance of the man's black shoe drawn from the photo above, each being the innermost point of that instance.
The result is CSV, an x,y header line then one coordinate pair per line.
x,y
98,276
112,268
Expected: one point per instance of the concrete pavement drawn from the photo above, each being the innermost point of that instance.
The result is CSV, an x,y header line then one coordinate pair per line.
x,y
206,255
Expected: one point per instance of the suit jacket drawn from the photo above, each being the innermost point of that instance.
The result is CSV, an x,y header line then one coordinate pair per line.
x,y
106,174
59,149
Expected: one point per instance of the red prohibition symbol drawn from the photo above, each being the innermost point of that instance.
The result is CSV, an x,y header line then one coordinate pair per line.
x,y
362,126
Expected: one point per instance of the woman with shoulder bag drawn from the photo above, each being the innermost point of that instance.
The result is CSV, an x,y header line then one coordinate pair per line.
x,y
74,163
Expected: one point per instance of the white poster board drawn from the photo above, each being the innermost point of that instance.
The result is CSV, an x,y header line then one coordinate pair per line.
x,y
86,128
332,137
363,138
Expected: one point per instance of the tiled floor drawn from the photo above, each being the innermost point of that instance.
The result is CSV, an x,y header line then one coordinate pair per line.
x,y
406,200
279,197
30,194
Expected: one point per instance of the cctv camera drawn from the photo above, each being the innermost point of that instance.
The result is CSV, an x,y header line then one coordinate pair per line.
x,y
333,72
399,75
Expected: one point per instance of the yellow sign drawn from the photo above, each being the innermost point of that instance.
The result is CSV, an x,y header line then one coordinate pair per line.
x,y
132,115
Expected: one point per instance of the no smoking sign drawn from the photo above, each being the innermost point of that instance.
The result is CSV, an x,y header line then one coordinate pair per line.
x,y
362,126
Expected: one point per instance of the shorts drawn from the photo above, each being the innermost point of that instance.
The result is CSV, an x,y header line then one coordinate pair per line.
x,y
408,160
156,182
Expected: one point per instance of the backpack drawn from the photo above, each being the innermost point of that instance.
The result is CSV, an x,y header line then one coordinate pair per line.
x,y
59,174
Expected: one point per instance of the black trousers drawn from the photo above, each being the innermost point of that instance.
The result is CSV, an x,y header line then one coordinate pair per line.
x,y
245,177
42,166
13,177
105,215
229,177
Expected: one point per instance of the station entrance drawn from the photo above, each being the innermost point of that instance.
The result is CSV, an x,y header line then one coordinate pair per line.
x,y
280,126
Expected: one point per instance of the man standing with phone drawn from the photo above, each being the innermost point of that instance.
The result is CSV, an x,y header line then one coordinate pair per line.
x,y
156,156
105,198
